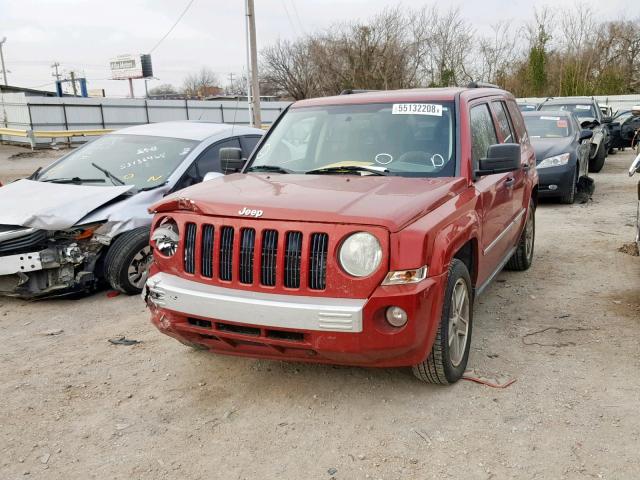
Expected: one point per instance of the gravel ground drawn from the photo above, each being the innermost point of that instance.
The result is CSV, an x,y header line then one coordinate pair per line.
x,y
74,406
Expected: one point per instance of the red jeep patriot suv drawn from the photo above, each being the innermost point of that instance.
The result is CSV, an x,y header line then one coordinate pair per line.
x,y
359,232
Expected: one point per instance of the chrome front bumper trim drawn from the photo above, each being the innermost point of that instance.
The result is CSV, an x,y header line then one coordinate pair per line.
x,y
255,308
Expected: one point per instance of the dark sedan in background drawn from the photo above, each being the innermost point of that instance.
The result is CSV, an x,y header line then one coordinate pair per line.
x,y
562,152
589,116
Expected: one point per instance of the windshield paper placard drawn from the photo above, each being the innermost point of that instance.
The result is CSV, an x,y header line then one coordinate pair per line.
x,y
417,109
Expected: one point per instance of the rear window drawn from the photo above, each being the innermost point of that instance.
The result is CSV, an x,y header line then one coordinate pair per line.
x,y
582,111
548,126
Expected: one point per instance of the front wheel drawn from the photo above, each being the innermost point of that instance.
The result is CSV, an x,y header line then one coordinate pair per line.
x,y
570,196
127,261
596,163
523,256
447,360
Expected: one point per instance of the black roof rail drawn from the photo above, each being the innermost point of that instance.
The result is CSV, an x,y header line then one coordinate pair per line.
x,y
481,85
351,91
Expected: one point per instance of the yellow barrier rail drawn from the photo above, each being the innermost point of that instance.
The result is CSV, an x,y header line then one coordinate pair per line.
x,y
52,134
69,133
14,132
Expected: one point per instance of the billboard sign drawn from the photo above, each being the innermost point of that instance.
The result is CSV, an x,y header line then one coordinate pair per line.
x,y
124,67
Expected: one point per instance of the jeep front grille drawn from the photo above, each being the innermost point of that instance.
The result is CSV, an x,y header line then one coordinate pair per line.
x,y
269,258
190,248
210,250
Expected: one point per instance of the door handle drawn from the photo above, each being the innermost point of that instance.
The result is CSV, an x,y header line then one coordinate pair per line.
x,y
509,182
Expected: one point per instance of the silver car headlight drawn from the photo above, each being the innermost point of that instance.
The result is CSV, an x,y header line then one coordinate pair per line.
x,y
554,161
360,254
166,236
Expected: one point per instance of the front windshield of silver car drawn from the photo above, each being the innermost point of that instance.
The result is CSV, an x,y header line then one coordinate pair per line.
x,y
144,161
407,139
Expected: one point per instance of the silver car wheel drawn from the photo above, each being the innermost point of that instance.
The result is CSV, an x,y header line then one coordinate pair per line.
x,y
458,322
139,267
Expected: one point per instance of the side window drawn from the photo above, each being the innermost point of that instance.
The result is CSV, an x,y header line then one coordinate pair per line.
x,y
504,122
483,132
518,121
209,160
249,142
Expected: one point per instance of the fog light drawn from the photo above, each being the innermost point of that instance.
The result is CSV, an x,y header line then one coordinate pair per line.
x,y
553,187
396,316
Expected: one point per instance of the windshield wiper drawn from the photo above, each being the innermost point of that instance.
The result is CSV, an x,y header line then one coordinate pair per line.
x,y
146,189
110,175
349,169
269,168
74,180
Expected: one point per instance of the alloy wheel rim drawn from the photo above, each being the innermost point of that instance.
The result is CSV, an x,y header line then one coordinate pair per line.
x,y
528,235
458,322
139,267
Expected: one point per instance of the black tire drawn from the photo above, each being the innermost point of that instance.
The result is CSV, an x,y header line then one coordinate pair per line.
x,y
438,367
570,196
523,257
121,255
596,163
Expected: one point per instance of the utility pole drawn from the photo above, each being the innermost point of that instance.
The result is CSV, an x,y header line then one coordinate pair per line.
x,y
254,91
231,88
4,70
131,87
72,74
56,65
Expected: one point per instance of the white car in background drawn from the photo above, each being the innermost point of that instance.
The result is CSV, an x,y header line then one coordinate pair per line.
x,y
84,219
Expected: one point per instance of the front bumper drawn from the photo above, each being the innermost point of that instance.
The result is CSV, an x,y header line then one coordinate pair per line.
x,y
561,177
311,329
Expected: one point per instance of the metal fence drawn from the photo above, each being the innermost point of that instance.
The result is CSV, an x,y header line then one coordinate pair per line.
x,y
19,111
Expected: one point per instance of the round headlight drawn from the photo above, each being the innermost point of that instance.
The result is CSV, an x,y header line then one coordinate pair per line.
x,y
166,236
360,254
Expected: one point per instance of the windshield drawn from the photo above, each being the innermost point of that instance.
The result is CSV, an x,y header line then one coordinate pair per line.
x,y
408,139
547,126
139,160
526,107
581,111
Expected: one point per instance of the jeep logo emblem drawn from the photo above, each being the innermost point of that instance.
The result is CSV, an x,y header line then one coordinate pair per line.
x,y
250,213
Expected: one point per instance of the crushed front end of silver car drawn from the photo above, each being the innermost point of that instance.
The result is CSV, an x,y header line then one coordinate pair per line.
x,y
36,262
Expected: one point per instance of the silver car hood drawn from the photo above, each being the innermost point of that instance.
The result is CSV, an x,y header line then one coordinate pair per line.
x,y
52,206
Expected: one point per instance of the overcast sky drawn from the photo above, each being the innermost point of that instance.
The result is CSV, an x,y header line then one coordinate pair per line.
x,y
85,34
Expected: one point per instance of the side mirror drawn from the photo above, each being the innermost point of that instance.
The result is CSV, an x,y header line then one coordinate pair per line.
x,y
231,160
585,134
635,110
588,123
607,119
212,175
501,158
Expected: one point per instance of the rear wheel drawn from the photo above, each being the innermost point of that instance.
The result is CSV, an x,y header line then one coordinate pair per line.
x,y
570,196
127,261
596,163
447,360
523,256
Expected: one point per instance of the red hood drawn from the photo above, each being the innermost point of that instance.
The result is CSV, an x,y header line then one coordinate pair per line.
x,y
390,202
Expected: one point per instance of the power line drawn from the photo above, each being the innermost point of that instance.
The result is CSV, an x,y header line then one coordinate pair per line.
x,y
293,27
295,10
173,26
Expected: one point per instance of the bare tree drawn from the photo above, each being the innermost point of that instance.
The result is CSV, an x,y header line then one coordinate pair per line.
x,y
287,68
497,53
197,84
